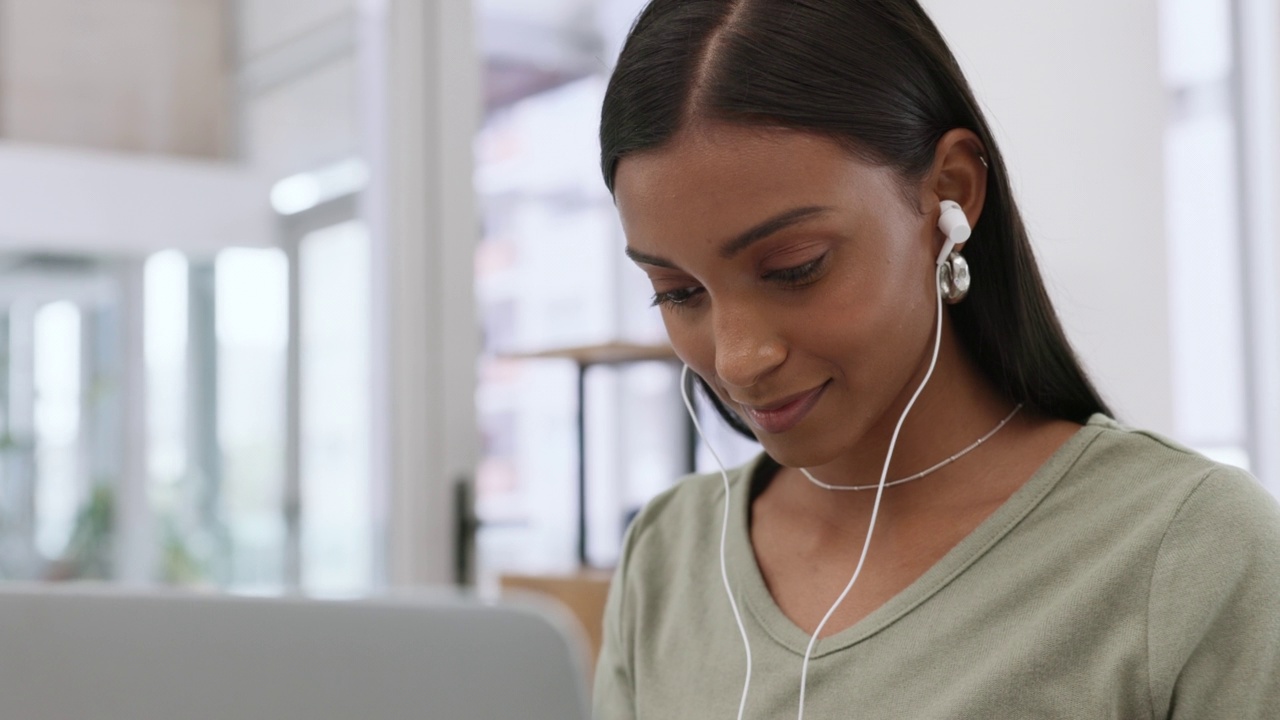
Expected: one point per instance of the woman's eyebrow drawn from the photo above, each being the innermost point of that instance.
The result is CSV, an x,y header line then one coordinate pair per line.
x,y
647,259
743,241
769,227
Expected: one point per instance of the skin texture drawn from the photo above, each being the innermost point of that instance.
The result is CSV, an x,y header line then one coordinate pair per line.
x,y
836,295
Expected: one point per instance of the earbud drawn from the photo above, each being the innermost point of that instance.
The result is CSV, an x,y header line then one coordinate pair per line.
x,y
954,225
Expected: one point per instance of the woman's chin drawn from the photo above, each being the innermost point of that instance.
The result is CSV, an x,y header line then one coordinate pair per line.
x,y
794,454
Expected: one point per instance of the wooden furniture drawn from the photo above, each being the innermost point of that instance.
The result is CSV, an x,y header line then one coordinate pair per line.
x,y
609,354
583,593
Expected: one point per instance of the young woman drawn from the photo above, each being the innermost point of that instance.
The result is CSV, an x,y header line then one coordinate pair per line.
x,y
945,523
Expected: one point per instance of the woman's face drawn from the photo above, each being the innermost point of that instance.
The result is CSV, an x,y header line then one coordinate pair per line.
x,y
795,279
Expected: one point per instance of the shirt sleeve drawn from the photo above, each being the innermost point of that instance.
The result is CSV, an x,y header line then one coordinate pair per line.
x,y
1214,612
614,695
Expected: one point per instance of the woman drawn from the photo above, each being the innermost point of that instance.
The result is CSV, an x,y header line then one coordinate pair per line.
x,y
798,178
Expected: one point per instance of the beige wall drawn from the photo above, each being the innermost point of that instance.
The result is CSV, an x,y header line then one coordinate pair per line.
x,y
266,25
144,76
310,121
300,96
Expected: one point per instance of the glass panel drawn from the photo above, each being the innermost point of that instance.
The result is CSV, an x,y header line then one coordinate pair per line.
x,y
1204,254
59,491
1202,219
61,454
182,559
1195,41
253,336
550,274
165,342
337,512
547,279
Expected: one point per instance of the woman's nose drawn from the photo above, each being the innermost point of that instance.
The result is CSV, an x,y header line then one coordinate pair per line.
x,y
746,348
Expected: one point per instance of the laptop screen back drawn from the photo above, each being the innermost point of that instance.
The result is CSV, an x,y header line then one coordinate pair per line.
x,y
105,655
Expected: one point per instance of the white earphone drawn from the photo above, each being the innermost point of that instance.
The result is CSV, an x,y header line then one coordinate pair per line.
x,y
955,226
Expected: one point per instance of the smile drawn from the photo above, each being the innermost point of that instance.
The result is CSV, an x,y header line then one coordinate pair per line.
x,y
781,416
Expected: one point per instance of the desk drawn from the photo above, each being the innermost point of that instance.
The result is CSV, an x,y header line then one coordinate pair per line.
x,y
587,357
583,594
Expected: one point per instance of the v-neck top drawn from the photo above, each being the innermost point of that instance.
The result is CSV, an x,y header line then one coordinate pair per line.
x,y
1127,578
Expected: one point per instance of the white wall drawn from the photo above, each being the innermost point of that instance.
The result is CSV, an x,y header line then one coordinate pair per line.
x,y
1073,92
97,203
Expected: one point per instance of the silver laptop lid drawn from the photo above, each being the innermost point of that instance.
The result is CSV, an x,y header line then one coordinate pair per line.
x,y
77,654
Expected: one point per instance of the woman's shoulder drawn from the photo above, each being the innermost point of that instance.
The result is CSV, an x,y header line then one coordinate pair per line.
x,y
1213,581
1141,497
1200,515
1127,460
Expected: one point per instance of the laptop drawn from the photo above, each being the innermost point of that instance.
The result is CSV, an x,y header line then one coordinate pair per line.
x,y
107,654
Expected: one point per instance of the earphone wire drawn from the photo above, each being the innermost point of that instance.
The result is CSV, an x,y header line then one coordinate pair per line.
x,y
875,508
724,531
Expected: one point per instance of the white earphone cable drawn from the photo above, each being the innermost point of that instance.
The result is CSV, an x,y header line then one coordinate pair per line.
x,y
724,531
875,508
875,511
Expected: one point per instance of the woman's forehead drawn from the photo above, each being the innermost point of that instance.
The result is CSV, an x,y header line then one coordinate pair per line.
x,y
700,151
712,178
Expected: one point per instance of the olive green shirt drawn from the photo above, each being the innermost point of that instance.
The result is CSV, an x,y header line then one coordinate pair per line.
x,y
1128,578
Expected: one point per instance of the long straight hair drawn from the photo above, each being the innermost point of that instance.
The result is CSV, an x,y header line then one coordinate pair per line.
x,y
877,77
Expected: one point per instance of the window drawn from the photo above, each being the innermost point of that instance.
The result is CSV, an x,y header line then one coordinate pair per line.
x,y
1218,378
551,275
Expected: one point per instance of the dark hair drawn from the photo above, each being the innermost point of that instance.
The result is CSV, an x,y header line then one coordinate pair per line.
x,y
877,77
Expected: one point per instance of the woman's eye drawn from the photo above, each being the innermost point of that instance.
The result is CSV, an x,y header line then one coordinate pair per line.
x,y
798,275
676,298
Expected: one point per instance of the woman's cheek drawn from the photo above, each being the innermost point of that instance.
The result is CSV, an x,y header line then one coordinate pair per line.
x,y
691,347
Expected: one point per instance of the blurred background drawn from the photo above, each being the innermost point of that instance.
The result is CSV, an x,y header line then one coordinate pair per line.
x,y
327,296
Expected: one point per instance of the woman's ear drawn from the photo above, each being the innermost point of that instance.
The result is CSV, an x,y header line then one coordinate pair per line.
x,y
959,174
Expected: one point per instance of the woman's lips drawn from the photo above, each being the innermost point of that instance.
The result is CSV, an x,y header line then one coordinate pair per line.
x,y
782,416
